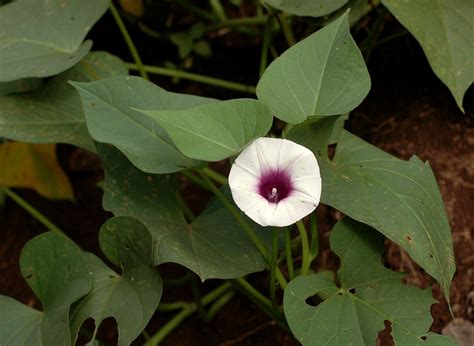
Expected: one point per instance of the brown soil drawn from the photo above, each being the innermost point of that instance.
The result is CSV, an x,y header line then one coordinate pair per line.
x,y
409,111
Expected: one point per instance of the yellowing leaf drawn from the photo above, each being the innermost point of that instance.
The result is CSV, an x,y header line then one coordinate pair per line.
x,y
34,166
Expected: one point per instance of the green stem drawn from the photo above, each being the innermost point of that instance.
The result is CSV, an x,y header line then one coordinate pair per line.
x,y
195,179
187,310
314,244
263,302
305,248
214,175
196,292
273,266
33,212
257,20
245,226
196,10
186,210
218,304
131,46
267,37
289,256
167,307
285,27
195,77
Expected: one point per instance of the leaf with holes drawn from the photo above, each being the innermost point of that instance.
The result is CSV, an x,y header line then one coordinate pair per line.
x,y
215,131
56,270
322,75
41,38
398,198
368,295
307,7
111,119
445,31
213,246
132,298
53,113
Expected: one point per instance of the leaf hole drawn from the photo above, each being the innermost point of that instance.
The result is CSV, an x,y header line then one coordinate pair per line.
x,y
313,300
423,337
431,255
29,276
408,238
352,290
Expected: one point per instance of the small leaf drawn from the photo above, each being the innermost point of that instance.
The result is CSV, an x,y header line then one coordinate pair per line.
x,y
55,269
111,119
213,246
34,166
131,299
215,131
369,294
311,8
444,29
41,38
398,198
322,75
53,113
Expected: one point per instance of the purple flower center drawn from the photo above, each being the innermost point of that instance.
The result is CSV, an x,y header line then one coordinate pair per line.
x,y
275,185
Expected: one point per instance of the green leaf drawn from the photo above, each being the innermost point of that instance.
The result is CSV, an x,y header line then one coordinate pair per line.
x,y
213,246
53,113
41,38
55,269
322,75
368,295
19,86
311,8
131,299
215,131
111,119
399,198
445,31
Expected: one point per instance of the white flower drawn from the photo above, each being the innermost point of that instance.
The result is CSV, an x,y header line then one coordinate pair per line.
x,y
276,182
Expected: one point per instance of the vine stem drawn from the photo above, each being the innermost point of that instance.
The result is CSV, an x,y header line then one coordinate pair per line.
x,y
285,27
214,175
169,72
245,226
33,212
305,248
187,310
128,40
273,266
267,37
289,256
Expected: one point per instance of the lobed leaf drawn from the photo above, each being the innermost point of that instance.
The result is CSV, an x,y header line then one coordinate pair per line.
x,y
34,166
322,75
445,31
41,38
215,131
110,118
53,113
398,198
132,298
213,246
56,270
307,7
368,295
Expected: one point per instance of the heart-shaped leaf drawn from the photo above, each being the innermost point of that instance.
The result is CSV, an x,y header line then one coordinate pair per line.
x,y
215,131
56,270
368,295
111,119
53,113
322,75
311,8
41,38
131,299
213,246
444,29
398,198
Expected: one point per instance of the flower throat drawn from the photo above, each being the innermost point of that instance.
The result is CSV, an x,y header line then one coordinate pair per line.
x,y
275,185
